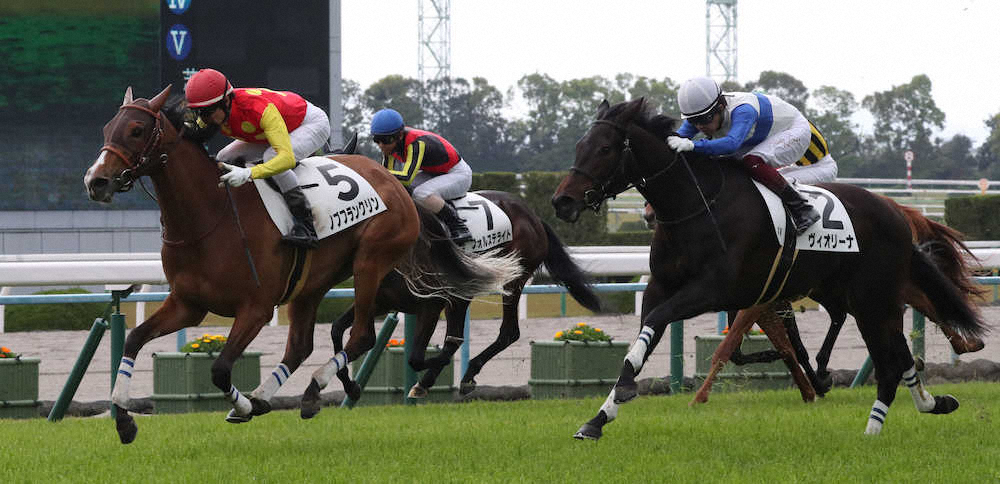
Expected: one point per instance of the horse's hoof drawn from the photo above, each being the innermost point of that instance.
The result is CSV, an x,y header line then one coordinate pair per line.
x,y
944,404
235,418
353,391
310,401
417,392
259,407
467,387
588,432
626,393
125,425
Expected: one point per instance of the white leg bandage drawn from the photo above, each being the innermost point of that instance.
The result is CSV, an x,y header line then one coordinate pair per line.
x,y
877,418
921,398
325,373
610,407
119,395
637,353
272,383
240,403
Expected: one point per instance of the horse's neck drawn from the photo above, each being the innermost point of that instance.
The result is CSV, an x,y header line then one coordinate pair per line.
x,y
187,192
672,191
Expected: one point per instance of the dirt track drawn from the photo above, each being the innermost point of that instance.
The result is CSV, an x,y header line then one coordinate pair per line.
x,y
59,349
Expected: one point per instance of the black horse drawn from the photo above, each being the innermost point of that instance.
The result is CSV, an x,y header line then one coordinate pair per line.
x,y
715,249
533,242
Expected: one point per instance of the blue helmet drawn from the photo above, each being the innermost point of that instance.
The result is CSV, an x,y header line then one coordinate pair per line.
x,y
386,121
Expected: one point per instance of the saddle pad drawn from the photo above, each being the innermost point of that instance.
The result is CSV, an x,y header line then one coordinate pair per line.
x,y
338,195
489,225
834,232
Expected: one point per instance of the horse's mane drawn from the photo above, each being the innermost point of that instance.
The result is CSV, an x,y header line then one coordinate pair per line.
x,y
646,118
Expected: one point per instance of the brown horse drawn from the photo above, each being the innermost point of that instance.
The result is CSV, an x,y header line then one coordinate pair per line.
x,y
533,242
212,266
715,249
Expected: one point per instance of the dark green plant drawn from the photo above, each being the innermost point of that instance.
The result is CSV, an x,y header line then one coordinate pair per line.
x,y
206,344
582,332
50,317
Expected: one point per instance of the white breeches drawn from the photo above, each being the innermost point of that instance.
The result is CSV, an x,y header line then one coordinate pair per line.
x,y
448,186
823,171
786,147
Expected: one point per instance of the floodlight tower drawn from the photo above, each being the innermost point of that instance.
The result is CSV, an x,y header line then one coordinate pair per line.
x,y
720,40
434,59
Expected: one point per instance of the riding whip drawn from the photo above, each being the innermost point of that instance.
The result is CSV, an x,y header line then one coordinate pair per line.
x,y
243,235
708,208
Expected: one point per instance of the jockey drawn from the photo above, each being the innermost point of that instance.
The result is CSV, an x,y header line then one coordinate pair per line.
x,y
428,164
276,127
766,132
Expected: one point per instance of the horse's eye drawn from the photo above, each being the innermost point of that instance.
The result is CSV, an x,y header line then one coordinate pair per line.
x,y
136,132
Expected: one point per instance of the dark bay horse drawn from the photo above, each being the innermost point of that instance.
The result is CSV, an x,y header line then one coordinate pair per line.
x,y
533,242
211,266
715,249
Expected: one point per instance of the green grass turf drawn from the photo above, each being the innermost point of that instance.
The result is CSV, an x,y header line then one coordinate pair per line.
x,y
738,437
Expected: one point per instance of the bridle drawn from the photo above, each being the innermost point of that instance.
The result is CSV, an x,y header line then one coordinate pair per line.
x,y
140,163
627,171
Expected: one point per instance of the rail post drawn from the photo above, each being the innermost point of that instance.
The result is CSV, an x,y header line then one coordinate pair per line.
x,y
371,359
79,369
676,356
409,375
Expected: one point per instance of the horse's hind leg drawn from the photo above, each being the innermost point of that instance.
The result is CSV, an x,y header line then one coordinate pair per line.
x,y
171,317
837,318
744,320
337,329
510,332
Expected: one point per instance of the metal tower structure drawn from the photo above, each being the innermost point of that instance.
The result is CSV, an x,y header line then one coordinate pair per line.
x,y
434,58
720,40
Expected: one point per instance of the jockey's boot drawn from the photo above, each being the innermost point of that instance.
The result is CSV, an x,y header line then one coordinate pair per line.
x,y
803,215
303,234
459,231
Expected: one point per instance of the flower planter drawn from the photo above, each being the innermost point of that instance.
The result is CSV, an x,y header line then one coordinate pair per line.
x,y
19,388
182,382
732,377
386,383
575,369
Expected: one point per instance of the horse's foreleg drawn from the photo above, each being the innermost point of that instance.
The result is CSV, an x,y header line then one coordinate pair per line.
x,y
510,332
248,323
774,327
172,316
452,341
744,320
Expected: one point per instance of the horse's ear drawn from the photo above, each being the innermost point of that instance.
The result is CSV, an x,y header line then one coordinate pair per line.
x,y
157,102
634,107
603,109
128,96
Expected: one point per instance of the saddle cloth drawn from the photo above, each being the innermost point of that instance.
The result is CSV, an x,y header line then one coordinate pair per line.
x,y
489,225
834,232
338,195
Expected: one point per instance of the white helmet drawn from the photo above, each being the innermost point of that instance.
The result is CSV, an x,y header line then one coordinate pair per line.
x,y
698,96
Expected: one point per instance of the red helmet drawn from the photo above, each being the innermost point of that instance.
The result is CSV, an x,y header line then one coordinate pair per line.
x,y
206,87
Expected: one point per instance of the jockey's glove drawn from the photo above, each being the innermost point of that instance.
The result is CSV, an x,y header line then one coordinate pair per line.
x,y
679,144
234,176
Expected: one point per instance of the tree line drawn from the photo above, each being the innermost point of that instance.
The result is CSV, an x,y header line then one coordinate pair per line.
x,y
534,126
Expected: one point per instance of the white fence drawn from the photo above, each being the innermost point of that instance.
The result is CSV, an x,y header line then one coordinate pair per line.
x,y
113,269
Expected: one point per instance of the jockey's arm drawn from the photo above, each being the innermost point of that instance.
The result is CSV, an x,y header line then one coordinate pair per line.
x,y
277,136
414,157
743,119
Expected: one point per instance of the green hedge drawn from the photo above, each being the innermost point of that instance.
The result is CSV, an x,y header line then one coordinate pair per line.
x,y
47,317
978,217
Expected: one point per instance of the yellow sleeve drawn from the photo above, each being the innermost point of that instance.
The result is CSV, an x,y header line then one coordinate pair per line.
x,y
277,136
414,158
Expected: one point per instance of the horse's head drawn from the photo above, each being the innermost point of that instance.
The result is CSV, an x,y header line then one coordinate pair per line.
x,y
599,171
135,144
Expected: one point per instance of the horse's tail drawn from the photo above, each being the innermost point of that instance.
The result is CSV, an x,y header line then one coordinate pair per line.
x,y
946,248
436,267
565,272
953,306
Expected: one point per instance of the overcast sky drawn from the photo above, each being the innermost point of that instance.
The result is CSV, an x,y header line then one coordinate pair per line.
x,y
859,46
